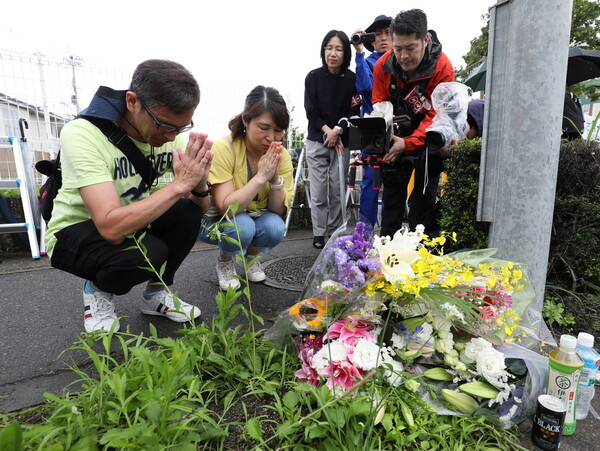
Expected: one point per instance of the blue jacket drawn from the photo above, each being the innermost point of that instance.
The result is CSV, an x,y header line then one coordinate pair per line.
x,y
364,79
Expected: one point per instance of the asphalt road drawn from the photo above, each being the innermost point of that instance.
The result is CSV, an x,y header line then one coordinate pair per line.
x,y
43,316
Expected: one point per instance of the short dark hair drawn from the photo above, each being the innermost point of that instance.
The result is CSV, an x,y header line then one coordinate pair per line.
x,y
165,83
473,123
409,22
345,42
261,100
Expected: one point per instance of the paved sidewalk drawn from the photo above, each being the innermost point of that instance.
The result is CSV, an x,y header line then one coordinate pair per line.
x,y
43,316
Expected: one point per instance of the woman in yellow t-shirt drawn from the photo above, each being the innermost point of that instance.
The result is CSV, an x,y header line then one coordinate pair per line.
x,y
250,167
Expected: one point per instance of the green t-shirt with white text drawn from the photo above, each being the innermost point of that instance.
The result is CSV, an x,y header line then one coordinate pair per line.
x,y
88,158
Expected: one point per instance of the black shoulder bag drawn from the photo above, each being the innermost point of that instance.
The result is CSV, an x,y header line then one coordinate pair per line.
x,y
117,136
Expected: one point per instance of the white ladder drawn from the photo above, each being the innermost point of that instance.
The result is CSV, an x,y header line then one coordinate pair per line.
x,y
25,188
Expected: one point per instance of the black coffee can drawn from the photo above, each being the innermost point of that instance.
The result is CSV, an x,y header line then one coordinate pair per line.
x,y
548,423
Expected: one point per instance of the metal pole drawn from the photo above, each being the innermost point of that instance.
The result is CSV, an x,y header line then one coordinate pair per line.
x,y
73,61
47,124
525,86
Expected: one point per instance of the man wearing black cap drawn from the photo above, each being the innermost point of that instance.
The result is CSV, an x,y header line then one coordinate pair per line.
x,y
104,199
369,194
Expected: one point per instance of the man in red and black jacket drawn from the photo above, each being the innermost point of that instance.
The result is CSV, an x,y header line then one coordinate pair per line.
x,y
406,76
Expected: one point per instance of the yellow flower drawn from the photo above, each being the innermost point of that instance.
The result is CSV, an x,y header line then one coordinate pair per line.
x,y
467,276
510,329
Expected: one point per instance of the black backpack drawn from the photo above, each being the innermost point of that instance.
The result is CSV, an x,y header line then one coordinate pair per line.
x,y
117,136
49,189
573,123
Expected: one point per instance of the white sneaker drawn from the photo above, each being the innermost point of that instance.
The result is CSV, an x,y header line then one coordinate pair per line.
x,y
99,313
163,304
256,273
226,273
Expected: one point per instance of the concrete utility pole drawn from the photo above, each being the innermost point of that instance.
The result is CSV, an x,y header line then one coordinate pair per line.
x,y
74,61
525,85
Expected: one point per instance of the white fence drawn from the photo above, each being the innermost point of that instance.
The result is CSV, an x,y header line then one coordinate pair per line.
x,y
49,91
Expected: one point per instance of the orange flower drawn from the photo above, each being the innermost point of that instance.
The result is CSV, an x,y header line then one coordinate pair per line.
x,y
309,311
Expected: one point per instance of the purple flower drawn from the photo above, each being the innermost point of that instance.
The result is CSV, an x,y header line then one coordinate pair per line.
x,y
348,258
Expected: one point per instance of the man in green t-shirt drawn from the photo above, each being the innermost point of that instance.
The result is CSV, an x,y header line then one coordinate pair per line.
x,y
103,200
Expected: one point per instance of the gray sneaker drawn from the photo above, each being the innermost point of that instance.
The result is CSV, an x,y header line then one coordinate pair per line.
x,y
163,304
256,273
226,273
99,315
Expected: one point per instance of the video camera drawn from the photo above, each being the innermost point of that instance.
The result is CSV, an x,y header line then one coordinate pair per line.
x,y
373,134
361,38
450,102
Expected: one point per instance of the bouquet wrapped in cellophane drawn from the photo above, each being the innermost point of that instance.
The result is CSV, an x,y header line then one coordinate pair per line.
x,y
448,326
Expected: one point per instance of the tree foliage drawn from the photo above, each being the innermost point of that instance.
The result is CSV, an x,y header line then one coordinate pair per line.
x,y
585,24
479,47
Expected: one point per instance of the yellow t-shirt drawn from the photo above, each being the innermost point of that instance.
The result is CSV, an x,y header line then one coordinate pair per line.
x,y
230,163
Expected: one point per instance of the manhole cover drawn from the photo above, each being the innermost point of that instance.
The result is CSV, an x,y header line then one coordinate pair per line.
x,y
288,273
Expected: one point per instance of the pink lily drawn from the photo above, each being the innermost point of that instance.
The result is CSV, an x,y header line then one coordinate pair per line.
x,y
349,330
341,373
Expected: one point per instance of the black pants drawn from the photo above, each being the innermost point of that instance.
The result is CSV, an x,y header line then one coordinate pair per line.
x,y
422,206
395,182
81,250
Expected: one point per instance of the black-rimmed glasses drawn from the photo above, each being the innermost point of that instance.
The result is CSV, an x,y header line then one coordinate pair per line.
x,y
164,127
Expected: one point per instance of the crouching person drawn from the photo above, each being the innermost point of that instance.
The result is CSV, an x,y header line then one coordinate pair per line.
x,y
253,168
104,200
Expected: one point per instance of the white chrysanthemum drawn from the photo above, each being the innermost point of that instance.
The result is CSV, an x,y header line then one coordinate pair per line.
x,y
473,348
398,341
490,365
393,374
366,355
333,351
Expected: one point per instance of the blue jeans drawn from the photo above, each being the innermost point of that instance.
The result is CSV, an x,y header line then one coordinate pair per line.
x,y
369,193
264,233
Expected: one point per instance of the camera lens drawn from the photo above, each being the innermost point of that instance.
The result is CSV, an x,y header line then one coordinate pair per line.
x,y
355,38
435,140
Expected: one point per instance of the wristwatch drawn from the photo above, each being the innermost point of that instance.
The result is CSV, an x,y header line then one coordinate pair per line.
x,y
203,193
280,185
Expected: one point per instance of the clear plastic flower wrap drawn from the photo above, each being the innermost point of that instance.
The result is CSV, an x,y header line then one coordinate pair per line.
x,y
529,370
400,308
346,262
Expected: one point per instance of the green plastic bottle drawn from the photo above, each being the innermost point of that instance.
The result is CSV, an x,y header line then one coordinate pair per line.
x,y
563,378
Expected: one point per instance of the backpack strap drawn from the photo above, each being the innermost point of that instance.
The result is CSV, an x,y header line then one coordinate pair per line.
x,y
118,137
